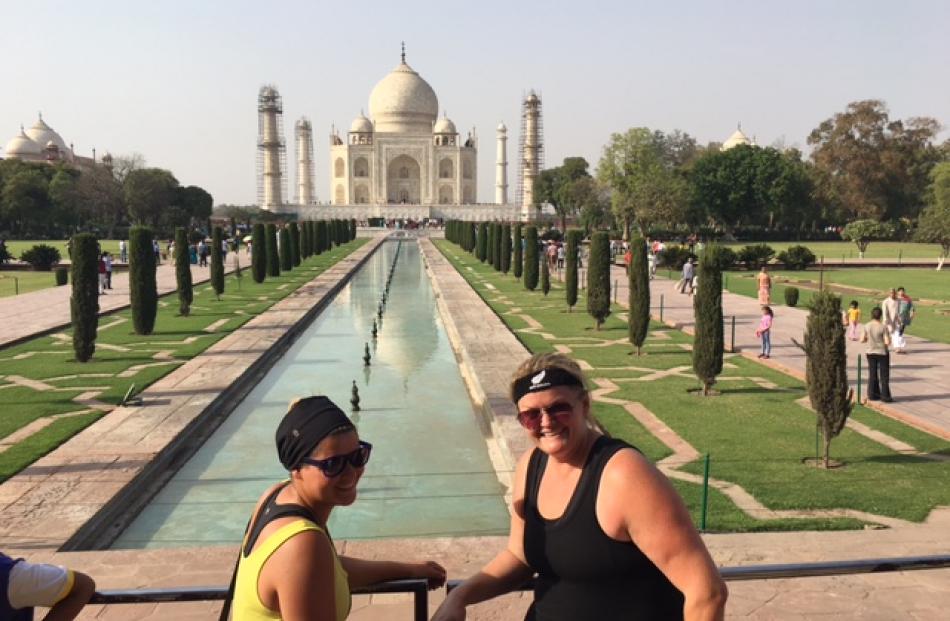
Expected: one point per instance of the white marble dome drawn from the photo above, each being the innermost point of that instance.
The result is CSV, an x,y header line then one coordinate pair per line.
x,y
403,102
22,145
362,125
444,126
42,134
735,140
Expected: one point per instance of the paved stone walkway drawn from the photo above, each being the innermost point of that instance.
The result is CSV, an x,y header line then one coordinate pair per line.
x,y
920,380
20,319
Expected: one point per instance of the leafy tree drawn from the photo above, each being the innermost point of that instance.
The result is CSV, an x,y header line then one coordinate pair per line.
x,y
482,243
196,202
598,278
258,253
796,257
294,233
217,262
755,255
183,272
749,185
594,200
517,246
826,369
872,167
149,192
286,245
505,248
273,258
934,224
545,277
64,198
143,290
570,267
84,302
531,258
707,309
863,232
24,203
100,200
41,256
639,294
647,189
557,187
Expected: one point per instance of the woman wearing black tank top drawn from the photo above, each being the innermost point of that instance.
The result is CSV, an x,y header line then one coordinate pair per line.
x,y
598,526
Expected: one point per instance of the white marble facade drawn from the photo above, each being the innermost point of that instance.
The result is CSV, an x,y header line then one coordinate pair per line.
x,y
403,154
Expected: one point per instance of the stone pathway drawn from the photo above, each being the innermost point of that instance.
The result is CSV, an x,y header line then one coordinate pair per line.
x,y
20,319
919,380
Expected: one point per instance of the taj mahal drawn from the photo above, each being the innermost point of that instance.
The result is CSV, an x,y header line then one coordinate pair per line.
x,y
401,161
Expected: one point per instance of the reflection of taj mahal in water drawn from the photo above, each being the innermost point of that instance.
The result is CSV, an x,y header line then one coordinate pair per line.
x,y
401,161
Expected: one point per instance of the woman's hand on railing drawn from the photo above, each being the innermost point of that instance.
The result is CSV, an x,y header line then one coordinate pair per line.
x,y
431,572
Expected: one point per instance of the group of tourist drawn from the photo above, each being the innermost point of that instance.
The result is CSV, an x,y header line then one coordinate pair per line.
x,y
884,333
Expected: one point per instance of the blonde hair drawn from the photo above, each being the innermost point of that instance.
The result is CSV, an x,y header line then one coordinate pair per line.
x,y
553,360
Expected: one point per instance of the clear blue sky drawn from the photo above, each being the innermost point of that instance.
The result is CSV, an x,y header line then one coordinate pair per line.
x,y
177,81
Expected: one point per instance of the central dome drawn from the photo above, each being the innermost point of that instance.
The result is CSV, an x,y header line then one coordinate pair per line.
x,y
403,102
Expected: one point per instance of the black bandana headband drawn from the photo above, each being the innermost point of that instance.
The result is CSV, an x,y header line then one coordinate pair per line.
x,y
307,422
544,379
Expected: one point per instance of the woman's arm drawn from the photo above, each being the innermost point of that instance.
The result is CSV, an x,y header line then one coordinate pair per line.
x,y
298,579
507,571
361,572
656,519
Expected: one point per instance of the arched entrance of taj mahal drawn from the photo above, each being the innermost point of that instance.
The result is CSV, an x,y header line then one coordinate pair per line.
x,y
403,181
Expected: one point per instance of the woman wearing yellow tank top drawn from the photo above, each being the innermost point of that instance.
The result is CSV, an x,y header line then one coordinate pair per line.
x,y
289,568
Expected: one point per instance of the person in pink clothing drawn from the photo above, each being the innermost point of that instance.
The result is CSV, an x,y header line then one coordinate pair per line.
x,y
764,332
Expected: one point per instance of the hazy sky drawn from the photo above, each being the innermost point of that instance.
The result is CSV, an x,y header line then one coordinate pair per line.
x,y
177,81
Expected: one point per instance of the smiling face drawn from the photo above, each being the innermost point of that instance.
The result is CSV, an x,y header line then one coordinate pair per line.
x,y
557,420
316,486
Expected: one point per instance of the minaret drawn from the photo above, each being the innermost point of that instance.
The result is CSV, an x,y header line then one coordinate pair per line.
x,y
501,166
532,152
303,132
270,148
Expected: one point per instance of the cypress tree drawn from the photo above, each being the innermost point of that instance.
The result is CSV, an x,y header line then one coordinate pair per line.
x,y
273,259
505,248
183,272
598,278
826,368
470,228
305,251
496,257
320,234
143,292
217,262
482,242
258,253
518,259
639,291
286,260
545,277
531,258
570,267
294,244
490,250
84,302
707,309
352,229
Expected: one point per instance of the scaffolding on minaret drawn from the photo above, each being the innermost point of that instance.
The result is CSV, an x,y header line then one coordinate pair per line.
x,y
271,149
530,148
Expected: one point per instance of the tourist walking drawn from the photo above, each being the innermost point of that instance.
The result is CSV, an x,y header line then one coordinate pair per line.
x,y
765,286
764,332
603,531
101,269
27,586
889,317
202,254
123,251
685,284
157,250
288,567
905,315
854,320
878,340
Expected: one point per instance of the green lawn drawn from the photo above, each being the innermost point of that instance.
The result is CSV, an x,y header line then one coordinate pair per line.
x,y
13,281
835,251
929,288
50,358
756,436
17,246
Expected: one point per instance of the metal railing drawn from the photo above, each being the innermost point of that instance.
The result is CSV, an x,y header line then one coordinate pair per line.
x,y
420,592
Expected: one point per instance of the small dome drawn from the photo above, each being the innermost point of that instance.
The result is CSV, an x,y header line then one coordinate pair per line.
x,y
362,125
22,145
444,126
403,102
735,140
502,128
41,133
